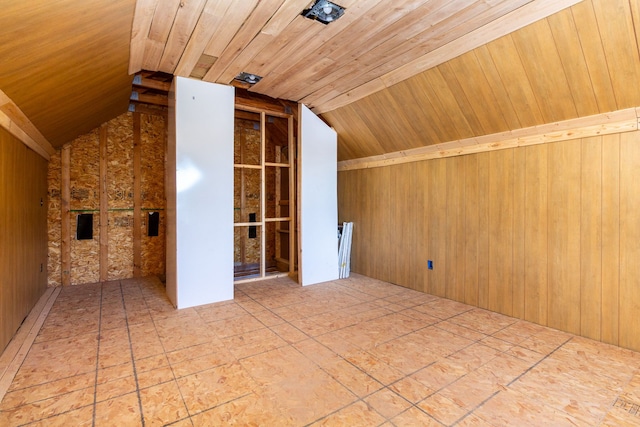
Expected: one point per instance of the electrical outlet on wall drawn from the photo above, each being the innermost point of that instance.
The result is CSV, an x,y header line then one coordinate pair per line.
x,y
430,265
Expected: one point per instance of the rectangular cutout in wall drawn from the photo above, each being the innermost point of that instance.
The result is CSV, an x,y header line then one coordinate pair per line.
x,y
84,227
253,230
153,224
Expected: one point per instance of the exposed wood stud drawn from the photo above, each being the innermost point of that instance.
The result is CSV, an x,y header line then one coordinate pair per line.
x,y
65,195
137,203
104,205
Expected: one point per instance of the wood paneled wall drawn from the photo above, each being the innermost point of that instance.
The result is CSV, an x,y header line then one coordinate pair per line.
x,y
23,233
116,173
547,233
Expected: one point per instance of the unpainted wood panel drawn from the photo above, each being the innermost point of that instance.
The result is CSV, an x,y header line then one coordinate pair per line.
x,y
617,32
501,181
519,241
437,202
629,336
543,65
403,222
471,232
479,93
594,56
381,218
573,61
23,226
455,228
591,238
564,236
610,238
484,170
536,234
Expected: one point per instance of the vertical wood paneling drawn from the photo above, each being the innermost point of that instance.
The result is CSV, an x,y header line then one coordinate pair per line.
x,y
591,238
455,231
519,242
501,231
564,236
437,227
536,235
629,241
483,226
472,229
610,238
549,233
23,233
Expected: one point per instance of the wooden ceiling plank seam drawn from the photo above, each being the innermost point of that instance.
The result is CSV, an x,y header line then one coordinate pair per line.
x,y
318,37
635,18
259,16
519,18
420,119
543,66
183,26
393,27
512,72
284,16
163,19
211,20
392,53
152,54
243,62
482,100
232,24
565,35
597,125
503,99
616,29
593,51
142,18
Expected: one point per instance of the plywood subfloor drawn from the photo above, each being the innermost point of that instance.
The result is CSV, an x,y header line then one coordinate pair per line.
x,y
352,352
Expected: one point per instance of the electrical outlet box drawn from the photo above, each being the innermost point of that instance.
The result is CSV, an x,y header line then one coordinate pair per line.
x,y
430,265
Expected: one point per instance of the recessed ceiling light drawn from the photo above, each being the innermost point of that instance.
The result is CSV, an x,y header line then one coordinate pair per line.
x,y
323,11
248,78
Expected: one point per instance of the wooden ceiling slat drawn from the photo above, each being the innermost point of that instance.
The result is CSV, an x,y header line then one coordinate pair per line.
x,y
513,74
263,11
479,93
544,68
211,20
621,50
585,20
233,20
531,12
183,25
163,18
142,19
574,65
404,37
390,23
502,98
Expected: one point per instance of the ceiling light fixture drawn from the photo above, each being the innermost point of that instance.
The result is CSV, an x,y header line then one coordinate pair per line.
x,y
323,11
248,78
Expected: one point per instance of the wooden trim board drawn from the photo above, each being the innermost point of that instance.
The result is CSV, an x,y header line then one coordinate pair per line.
x,y
18,124
600,124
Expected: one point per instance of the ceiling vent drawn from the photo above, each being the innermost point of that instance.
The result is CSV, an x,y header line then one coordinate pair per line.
x,y
323,11
248,78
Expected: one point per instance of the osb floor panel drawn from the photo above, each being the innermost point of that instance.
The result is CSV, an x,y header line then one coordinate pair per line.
x,y
355,352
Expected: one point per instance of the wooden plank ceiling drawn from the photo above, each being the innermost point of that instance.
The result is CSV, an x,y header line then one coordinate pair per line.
x,y
389,75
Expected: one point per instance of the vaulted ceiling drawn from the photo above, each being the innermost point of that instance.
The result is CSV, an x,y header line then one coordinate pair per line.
x,y
390,75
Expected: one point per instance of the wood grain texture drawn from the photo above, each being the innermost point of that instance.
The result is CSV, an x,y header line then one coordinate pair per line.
x,y
549,232
23,226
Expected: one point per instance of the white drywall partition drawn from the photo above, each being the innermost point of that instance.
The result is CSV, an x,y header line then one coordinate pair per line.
x,y
318,200
202,136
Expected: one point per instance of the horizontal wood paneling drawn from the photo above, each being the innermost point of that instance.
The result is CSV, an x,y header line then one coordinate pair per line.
x,y
23,231
547,233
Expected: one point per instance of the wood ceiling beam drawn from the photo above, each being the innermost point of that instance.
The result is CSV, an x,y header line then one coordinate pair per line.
x,y
150,99
18,124
521,17
147,83
600,124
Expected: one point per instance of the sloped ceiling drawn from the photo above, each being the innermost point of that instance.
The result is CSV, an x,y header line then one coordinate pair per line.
x,y
581,61
388,76
64,62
